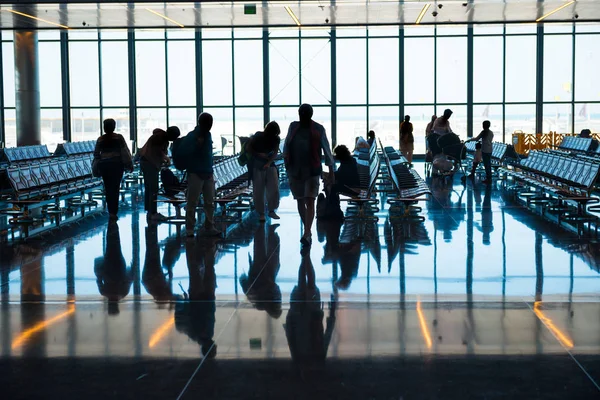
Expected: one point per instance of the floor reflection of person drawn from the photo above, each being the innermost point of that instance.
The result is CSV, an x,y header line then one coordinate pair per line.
x,y
113,277
346,254
196,315
259,284
307,340
487,222
156,280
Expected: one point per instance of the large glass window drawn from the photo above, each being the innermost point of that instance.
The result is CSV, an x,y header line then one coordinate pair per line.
x,y
10,128
587,116
420,116
150,73
222,130
520,68
557,118
248,70
148,120
419,70
587,60
351,71
451,65
83,69
216,73
115,75
8,73
487,69
182,73
283,72
250,120
351,123
85,124
316,64
519,117
458,121
51,125
558,71
385,121
384,79
488,112
50,74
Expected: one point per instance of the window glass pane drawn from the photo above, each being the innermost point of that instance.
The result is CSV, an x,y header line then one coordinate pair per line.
x,y
181,33
383,71
558,57
385,121
183,118
216,73
523,28
88,34
219,33
10,128
593,27
247,33
284,32
452,70
519,117
587,60
489,112
50,35
351,71
85,124
420,116
113,34
115,75
322,115
83,70
419,70
150,73
487,69
458,121
384,31
284,117
148,120
422,30
520,68
345,32
315,32
488,29
250,120
451,30
316,78
587,116
557,118
222,128
351,123
149,33
283,70
558,28
182,73
51,127
50,74
248,70
8,73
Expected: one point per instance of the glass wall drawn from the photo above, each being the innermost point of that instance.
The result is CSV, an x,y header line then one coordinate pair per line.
x,y
155,78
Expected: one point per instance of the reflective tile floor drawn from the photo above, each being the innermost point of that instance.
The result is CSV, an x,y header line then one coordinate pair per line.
x,y
484,299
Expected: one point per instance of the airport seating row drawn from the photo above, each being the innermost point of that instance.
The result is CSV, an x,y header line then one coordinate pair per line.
x,y
407,182
499,151
368,165
75,148
579,144
24,153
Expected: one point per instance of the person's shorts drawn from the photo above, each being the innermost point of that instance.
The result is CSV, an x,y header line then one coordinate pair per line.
x,y
307,188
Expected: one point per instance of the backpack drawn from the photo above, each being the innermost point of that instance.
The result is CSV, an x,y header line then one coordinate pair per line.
x,y
244,157
169,181
328,207
181,153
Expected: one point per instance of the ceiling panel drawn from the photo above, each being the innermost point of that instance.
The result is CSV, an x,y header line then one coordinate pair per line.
x,y
274,14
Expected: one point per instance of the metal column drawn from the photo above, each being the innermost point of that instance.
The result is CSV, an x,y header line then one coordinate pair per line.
x,y
27,88
470,81
539,89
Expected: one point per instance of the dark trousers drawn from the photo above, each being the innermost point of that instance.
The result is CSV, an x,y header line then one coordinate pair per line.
x,y
151,174
487,163
112,174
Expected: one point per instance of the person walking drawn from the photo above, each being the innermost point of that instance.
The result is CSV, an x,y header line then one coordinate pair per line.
x,y
112,158
153,155
486,136
200,176
304,145
264,146
407,140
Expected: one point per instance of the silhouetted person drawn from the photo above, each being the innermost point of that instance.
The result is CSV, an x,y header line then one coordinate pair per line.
x,y
441,126
429,127
306,141
264,146
371,138
153,155
347,255
113,277
307,340
201,180
360,143
112,158
153,275
259,284
346,176
407,140
196,315
487,137
585,133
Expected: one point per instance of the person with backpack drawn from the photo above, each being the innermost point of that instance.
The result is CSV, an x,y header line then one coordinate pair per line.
x,y
263,148
194,153
152,157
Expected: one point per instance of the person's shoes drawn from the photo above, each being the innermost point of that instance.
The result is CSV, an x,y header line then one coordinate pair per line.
x,y
262,218
113,217
273,215
306,239
211,232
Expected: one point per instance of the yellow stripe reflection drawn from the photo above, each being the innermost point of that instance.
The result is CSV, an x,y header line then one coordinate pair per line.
x,y
37,19
562,338
424,328
291,13
554,11
161,332
165,17
422,14
26,334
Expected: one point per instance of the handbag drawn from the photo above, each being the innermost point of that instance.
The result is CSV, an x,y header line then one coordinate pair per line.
x,y
126,158
96,168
